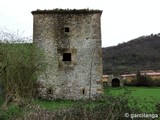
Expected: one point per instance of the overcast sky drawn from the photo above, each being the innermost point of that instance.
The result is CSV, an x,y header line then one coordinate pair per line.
x,y
122,20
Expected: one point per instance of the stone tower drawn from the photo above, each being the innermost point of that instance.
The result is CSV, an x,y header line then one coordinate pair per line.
x,y
71,41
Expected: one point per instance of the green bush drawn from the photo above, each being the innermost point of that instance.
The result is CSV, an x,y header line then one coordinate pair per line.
x,y
142,80
11,112
156,82
109,107
158,107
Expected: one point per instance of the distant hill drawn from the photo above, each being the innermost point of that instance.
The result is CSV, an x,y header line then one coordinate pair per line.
x,y
142,53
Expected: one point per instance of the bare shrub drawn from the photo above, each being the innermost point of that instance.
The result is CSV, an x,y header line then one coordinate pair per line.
x,y
18,69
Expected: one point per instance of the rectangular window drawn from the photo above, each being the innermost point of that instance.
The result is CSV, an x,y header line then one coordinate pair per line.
x,y
66,56
66,29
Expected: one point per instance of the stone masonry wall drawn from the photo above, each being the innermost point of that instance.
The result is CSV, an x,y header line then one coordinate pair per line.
x,y
79,78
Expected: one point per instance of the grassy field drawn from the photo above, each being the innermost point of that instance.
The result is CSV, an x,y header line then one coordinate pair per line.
x,y
56,104
146,97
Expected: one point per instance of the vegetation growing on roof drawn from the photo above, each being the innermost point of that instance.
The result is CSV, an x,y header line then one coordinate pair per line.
x,y
70,11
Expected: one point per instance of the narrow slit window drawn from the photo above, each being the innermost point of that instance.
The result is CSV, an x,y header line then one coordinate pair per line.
x,y
83,91
66,29
66,56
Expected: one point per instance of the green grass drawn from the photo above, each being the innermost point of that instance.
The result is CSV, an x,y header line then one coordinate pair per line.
x,y
56,104
146,97
15,111
143,98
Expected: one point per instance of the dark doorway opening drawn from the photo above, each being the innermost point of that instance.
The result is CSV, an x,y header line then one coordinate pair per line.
x,y
115,82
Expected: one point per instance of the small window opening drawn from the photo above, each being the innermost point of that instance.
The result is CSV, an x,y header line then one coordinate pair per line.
x,y
83,91
66,56
66,29
49,91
